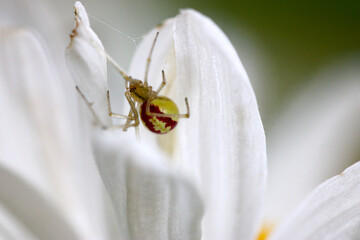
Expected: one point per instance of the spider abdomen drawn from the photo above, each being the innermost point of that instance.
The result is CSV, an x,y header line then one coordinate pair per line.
x,y
160,124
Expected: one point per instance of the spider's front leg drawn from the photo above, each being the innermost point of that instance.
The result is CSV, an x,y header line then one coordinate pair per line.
x,y
148,60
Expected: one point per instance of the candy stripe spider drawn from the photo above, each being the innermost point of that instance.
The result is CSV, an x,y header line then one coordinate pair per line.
x,y
158,113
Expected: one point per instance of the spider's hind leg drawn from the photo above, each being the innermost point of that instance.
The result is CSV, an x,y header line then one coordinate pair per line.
x,y
186,115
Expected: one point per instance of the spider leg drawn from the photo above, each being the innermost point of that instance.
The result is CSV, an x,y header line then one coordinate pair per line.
x,y
133,111
137,132
186,115
117,67
89,104
111,114
162,83
129,121
122,126
113,62
148,60
96,117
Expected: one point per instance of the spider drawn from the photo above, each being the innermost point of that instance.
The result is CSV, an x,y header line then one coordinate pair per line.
x,y
158,113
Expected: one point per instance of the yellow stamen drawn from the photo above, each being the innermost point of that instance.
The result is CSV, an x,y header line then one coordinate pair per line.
x,y
265,231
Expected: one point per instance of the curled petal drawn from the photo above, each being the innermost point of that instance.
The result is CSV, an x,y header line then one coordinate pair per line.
x,y
331,211
222,146
150,201
87,64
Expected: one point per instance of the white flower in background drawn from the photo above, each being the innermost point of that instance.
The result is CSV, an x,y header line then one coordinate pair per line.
x,y
51,188
41,149
317,135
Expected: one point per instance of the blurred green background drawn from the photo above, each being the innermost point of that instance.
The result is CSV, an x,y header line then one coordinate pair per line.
x,y
300,36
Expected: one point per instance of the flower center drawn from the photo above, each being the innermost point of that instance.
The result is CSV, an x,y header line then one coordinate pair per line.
x,y
265,231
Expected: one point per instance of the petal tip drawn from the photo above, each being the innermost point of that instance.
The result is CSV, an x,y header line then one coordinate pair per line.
x,y
80,17
189,11
81,13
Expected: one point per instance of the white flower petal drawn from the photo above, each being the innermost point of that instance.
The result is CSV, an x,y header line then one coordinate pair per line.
x,y
41,150
151,201
11,228
317,136
330,212
222,146
42,218
87,64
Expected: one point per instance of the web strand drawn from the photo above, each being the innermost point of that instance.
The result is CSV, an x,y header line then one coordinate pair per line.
x,y
116,30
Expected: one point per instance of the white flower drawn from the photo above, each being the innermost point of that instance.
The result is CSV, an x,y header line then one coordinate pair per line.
x,y
51,189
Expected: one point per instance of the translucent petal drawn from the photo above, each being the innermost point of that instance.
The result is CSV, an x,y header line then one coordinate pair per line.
x,y
317,136
151,201
87,64
330,212
44,178
222,146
